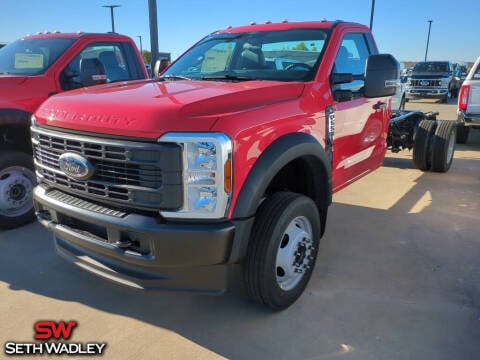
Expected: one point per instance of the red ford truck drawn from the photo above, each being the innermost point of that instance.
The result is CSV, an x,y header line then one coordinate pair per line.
x,y
32,69
220,172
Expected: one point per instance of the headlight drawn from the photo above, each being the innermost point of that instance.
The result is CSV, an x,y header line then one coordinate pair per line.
x,y
207,174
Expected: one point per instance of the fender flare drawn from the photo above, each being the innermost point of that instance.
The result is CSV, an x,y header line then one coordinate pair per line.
x,y
278,154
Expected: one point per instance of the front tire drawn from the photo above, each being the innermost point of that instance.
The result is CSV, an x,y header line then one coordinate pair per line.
x,y
282,250
17,179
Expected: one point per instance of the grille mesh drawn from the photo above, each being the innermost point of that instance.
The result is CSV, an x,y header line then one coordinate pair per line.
x,y
125,171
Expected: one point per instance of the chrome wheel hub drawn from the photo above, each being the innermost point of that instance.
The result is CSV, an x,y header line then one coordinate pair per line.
x,y
16,185
295,253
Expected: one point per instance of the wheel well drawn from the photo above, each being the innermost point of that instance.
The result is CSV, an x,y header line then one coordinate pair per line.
x,y
307,176
13,136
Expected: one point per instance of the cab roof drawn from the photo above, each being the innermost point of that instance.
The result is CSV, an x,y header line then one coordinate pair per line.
x,y
77,35
285,25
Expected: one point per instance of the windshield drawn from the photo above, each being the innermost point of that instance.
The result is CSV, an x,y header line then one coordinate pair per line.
x,y
432,67
287,55
31,56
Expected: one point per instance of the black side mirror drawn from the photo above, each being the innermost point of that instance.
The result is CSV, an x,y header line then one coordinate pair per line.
x,y
381,76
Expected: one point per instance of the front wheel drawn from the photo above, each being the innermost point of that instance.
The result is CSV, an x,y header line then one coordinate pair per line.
x,y
17,179
282,250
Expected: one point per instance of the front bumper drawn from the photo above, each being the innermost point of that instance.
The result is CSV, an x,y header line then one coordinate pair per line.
x,y
137,250
419,93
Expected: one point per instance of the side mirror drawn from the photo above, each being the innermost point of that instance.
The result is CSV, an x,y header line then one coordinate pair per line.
x,y
156,69
341,78
160,66
381,76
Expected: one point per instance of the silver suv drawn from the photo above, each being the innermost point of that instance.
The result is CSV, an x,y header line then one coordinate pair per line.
x,y
468,110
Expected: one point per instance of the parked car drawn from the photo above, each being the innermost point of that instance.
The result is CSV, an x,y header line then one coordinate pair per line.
x,y
34,68
220,173
468,109
430,79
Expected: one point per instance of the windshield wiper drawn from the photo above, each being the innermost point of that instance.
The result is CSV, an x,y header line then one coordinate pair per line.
x,y
228,77
173,77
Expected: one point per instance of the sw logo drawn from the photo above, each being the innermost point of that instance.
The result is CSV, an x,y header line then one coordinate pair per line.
x,y
50,329
49,333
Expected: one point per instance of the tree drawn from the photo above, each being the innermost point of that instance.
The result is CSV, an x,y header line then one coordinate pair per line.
x,y
146,56
300,46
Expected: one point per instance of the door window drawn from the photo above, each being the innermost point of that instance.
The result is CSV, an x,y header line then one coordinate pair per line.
x,y
351,58
110,55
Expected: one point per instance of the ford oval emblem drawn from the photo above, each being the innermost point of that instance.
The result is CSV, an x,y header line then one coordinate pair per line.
x,y
424,83
75,166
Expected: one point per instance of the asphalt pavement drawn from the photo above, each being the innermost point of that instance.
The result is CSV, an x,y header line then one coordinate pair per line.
x,y
397,277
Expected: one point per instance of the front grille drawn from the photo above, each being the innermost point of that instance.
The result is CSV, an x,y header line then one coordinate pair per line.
x,y
136,174
425,83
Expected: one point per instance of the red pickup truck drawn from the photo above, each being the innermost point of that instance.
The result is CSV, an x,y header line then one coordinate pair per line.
x,y
220,172
32,69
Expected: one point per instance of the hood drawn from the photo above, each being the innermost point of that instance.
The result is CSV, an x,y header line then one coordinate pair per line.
x,y
9,81
150,108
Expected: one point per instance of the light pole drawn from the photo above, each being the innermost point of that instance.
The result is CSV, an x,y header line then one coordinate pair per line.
x,y
371,14
152,12
111,14
428,37
140,37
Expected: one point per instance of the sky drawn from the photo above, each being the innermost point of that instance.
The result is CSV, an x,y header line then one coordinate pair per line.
x,y
399,27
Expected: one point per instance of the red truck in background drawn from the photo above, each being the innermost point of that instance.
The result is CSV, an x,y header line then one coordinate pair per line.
x,y
32,69
220,172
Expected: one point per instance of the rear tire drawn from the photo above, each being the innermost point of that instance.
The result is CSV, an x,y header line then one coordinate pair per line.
x,y
462,133
282,250
443,146
17,179
421,145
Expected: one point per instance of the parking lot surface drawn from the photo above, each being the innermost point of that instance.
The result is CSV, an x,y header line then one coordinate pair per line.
x,y
397,277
